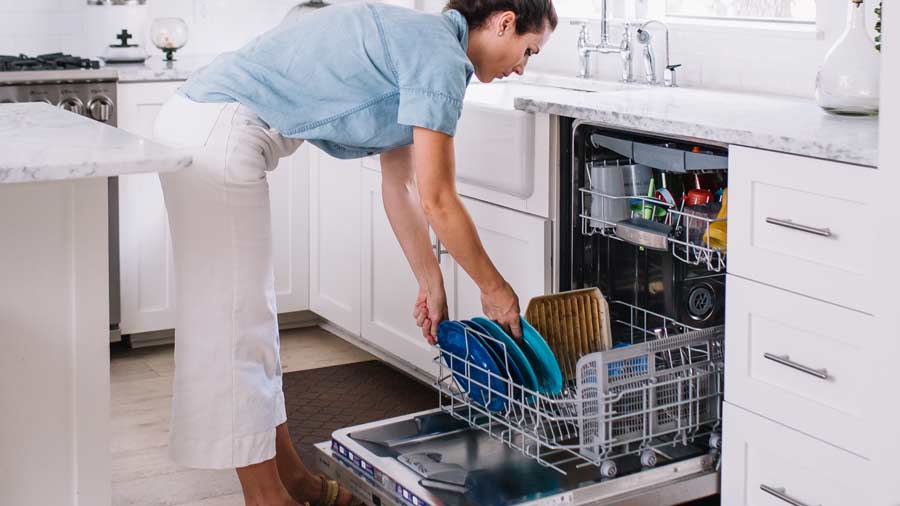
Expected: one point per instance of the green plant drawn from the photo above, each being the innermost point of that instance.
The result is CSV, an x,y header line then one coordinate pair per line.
x,y
878,26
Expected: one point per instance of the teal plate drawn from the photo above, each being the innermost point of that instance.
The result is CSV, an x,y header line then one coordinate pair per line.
x,y
543,360
517,358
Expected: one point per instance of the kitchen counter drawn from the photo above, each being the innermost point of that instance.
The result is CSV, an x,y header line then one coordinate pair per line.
x,y
157,70
40,142
785,124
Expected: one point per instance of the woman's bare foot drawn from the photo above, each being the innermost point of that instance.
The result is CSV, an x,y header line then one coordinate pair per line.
x,y
303,485
263,487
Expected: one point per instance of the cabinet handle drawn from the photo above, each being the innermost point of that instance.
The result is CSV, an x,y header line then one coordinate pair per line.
x,y
786,360
439,250
824,232
781,494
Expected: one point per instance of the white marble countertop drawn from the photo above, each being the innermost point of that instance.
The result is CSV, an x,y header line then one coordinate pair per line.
x,y
157,70
40,142
785,124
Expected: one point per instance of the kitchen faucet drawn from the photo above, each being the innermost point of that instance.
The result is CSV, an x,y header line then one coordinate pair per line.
x,y
586,48
649,52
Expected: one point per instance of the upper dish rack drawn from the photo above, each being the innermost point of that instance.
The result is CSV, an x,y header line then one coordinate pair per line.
x,y
611,204
658,396
682,240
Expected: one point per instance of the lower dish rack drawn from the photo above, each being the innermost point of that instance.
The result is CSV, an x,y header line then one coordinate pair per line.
x,y
661,393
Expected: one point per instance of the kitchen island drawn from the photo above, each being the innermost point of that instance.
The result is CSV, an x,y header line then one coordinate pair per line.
x,y
54,299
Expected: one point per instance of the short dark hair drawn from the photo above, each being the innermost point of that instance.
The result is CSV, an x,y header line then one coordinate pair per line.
x,y
532,16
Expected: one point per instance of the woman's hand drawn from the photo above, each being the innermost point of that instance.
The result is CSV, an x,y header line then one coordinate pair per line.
x,y
502,306
430,310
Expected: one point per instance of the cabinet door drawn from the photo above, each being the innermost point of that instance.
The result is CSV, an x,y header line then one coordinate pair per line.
x,y
518,244
289,196
145,251
389,287
334,191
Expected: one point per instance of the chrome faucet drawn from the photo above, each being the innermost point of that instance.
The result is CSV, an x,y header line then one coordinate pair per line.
x,y
586,48
644,37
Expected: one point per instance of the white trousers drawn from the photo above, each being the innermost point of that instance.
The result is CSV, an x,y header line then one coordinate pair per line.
x,y
227,391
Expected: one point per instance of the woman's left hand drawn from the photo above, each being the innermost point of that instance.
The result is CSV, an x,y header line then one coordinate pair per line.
x,y
430,310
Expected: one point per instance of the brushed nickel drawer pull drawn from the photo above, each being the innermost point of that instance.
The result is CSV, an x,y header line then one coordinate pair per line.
x,y
824,232
781,494
786,360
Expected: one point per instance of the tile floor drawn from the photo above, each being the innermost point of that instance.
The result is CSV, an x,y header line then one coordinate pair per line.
x,y
142,473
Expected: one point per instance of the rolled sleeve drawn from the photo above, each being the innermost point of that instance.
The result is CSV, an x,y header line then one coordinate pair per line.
x,y
429,109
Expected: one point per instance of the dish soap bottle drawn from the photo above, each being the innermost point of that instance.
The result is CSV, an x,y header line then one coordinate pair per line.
x,y
848,81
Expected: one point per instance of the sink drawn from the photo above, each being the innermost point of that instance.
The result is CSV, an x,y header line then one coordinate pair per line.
x,y
572,83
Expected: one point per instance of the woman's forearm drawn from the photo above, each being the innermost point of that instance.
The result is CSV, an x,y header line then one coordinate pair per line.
x,y
452,223
434,162
401,203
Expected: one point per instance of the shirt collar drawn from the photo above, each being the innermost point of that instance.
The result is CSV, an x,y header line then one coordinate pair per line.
x,y
462,27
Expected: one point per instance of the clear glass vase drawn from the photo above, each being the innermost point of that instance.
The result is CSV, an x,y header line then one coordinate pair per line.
x,y
848,81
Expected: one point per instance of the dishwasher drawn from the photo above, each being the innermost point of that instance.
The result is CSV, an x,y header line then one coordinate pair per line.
x,y
643,219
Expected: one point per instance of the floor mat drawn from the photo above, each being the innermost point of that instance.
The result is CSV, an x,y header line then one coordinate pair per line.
x,y
320,401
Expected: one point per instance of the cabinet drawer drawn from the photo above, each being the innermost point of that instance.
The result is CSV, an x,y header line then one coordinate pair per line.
x,y
801,224
801,362
763,460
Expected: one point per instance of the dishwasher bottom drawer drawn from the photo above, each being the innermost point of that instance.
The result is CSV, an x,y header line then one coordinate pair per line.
x,y
431,459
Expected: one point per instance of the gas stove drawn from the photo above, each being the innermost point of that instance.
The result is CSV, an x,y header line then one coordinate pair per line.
x,y
52,61
75,84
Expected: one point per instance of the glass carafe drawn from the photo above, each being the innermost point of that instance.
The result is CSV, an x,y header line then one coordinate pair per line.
x,y
848,81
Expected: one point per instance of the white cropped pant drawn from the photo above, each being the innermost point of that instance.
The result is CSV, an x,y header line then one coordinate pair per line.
x,y
227,391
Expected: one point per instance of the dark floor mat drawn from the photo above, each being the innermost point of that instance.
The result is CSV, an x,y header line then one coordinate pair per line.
x,y
320,401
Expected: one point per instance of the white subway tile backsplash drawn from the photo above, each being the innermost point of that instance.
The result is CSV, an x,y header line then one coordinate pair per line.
x,y
714,57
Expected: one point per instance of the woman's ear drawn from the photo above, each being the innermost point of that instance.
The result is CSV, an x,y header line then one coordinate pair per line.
x,y
506,22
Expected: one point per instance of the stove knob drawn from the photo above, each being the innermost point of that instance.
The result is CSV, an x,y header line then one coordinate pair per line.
x,y
101,109
72,104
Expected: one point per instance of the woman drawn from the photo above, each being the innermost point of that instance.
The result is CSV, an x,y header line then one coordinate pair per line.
x,y
353,80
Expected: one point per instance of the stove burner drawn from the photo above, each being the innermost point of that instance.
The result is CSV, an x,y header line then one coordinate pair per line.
x,y
52,61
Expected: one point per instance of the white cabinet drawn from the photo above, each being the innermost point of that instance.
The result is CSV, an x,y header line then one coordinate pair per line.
x,y
145,250
802,224
767,464
389,287
518,244
801,362
147,274
335,240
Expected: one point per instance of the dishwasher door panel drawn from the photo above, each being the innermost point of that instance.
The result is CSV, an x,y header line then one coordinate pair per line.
x,y
477,470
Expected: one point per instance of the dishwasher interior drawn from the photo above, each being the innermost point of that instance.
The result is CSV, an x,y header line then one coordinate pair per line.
x,y
644,220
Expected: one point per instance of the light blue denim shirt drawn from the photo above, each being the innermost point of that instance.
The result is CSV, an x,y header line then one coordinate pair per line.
x,y
351,79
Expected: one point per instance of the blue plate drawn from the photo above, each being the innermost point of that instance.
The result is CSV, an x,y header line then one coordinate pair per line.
x,y
507,366
543,360
517,360
453,338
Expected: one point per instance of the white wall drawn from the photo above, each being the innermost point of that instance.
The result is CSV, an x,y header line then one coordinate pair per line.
x,y
773,58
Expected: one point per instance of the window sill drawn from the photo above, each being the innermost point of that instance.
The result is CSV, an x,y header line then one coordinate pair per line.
x,y
788,30
771,29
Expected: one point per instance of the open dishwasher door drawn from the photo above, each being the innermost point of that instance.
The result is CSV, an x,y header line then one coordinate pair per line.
x,y
432,458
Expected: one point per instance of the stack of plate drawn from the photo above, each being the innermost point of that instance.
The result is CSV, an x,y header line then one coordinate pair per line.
x,y
504,368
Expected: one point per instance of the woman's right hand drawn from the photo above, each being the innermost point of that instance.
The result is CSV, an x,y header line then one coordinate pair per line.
x,y
502,306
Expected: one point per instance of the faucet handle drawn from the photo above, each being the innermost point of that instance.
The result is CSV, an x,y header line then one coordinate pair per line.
x,y
669,78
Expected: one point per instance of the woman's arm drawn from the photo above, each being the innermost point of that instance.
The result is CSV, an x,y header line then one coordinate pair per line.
x,y
436,176
401,203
